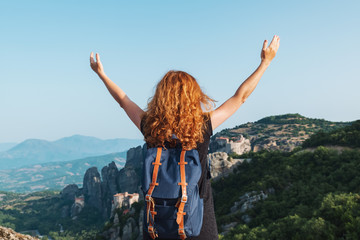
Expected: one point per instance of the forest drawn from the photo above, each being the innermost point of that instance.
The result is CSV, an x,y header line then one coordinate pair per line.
x,y
315,191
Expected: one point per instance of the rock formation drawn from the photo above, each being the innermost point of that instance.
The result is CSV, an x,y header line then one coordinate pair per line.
x,y
77,206
247,202
129,178
92,188
69,192
98,191
9,234
108,186
221,164
130,229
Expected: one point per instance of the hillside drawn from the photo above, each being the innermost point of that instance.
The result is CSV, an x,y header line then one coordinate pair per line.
x,y
43,211
6,146
7,233
35,151
312,192
54,175
281,132
294,195
80,211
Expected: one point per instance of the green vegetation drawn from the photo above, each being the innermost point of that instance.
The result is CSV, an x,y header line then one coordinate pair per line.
x,y
42,211
317,193
133,212
348,136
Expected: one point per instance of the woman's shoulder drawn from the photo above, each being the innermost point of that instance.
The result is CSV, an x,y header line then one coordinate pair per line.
x,y
207,124
142,121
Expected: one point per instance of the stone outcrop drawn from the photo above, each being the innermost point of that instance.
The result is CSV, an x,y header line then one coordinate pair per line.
x,y
248,200
141,224
108,187
69,192
65,211
109,174
9,234
283,145
77,206
227,227
98,191
130,229
129,178
92,188
221,164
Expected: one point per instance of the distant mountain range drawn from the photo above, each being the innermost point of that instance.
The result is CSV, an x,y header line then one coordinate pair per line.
x,y
54,175
6,146
37,151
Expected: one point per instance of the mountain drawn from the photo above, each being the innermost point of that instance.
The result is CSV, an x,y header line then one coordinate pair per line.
x,y
81,211
280,132
6,146
35,151
54,175
312,192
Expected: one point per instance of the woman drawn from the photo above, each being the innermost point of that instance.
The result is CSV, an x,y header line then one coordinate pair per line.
x,y
177,108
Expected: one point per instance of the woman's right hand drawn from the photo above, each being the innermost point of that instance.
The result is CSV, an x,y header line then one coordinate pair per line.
x,y
269,52
96,66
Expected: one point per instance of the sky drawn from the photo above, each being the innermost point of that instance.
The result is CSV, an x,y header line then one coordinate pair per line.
x,y
48,91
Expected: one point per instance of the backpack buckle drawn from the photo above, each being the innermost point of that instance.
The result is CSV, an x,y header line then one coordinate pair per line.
x,y
151,229
148,198
181,232
184,198
152,232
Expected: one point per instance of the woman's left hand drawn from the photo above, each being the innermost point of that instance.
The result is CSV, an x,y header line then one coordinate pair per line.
x,y
96,66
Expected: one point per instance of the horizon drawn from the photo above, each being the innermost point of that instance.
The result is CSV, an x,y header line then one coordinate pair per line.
x,y
49,92
143,139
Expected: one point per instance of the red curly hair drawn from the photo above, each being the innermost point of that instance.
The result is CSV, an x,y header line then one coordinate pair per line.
x,y
177,107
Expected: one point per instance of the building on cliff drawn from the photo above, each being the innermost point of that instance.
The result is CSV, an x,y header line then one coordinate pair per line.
x,y
77,206
239,145
124,200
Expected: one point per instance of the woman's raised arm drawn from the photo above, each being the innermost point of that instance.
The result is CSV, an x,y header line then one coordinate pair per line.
x,y
132,110
229,107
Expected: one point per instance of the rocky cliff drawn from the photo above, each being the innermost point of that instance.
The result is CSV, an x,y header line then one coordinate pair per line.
x,y
129,177
98,190
9,234
222,165
280,132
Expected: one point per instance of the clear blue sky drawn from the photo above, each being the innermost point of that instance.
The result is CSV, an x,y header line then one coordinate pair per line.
x,y
48,91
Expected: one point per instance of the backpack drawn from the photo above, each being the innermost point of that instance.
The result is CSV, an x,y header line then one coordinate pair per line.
x,y
173,207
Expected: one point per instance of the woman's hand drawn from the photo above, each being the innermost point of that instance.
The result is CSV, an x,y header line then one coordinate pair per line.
x,y
269,52
96,66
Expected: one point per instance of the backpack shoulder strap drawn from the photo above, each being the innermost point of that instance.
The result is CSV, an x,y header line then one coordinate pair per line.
x,y
150,204
183,200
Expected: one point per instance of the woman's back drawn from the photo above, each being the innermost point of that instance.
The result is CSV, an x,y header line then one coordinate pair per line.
x,y
209,227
